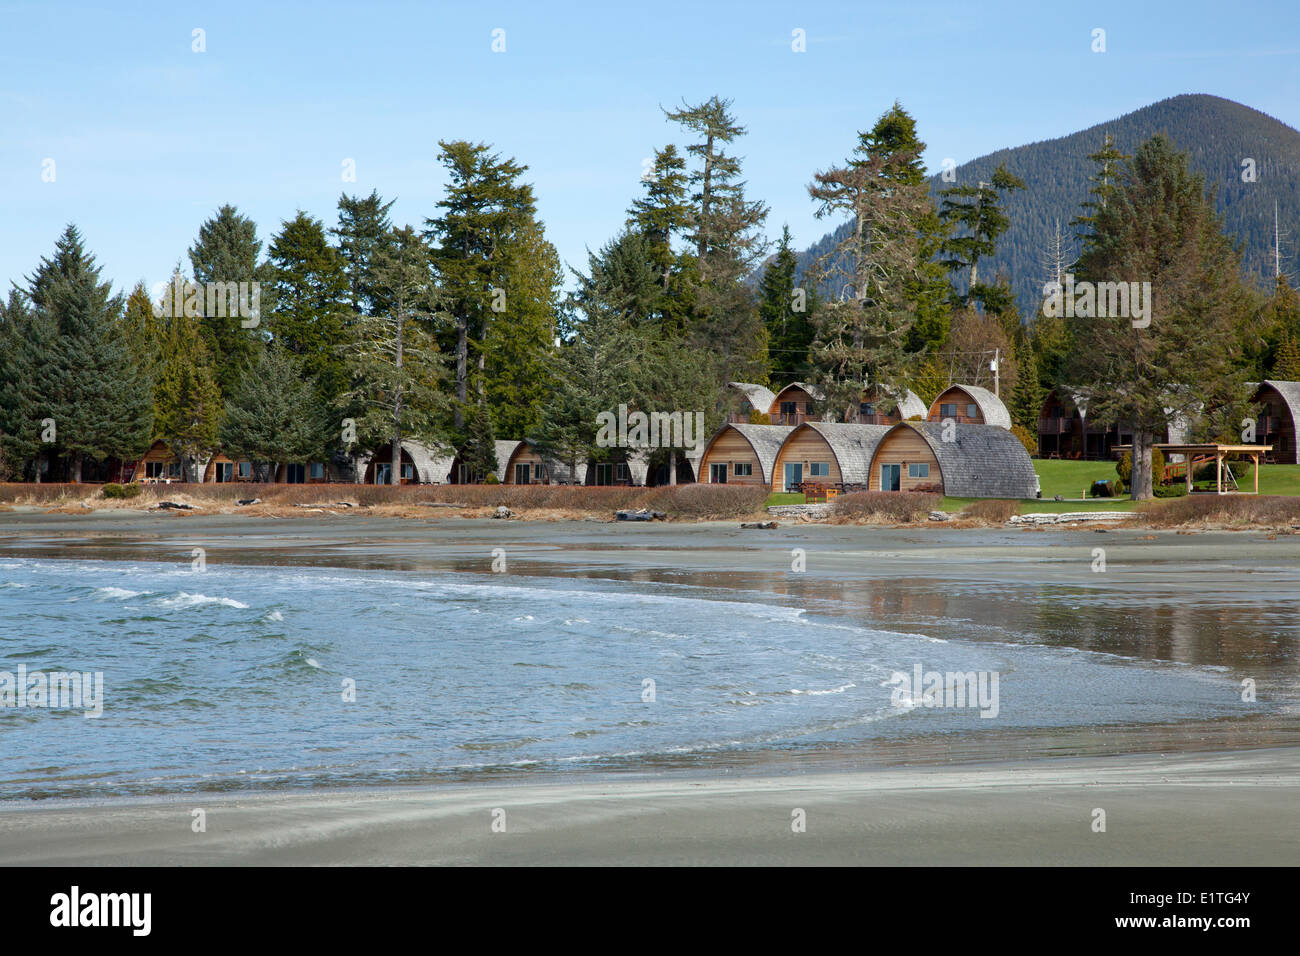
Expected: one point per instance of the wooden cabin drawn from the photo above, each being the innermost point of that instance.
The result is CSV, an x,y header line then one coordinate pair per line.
x,y
829,453
528,466
752,398
979,461
462,474
969,405
795,404
882,406
743,454
657,473
1275,426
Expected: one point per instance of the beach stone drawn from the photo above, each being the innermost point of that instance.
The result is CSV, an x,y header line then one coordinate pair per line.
x,y
503,512
940,516
174,506
762,525
249,501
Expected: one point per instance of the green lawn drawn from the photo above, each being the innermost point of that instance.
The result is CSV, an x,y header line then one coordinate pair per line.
x,y
1071,479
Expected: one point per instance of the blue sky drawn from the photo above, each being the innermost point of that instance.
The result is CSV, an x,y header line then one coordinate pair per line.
x,y
148,137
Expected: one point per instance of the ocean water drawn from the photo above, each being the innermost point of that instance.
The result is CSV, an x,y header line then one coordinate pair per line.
x,y
236,677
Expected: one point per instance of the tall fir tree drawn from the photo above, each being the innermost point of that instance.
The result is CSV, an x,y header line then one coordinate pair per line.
x,y
309,312
1157,225
273,416
227,250
789,314
187,401
363,232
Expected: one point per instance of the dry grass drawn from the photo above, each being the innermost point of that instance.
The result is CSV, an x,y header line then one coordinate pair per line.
x,y
898,507
548,502
1222,511
992,510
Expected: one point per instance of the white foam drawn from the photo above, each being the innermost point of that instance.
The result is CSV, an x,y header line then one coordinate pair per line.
x,y
119,594
830,690
184,600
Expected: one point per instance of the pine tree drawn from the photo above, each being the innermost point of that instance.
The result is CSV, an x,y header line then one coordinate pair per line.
x,y
880,267
975,220
81,373
226,251
725,231
396,368
788,316
273,415
187,402
309,312
362,233
1156,225
475,242
1286,367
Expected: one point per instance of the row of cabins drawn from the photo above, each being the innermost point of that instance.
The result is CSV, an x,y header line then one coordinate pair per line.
x,y
800,402
1065,432
962,460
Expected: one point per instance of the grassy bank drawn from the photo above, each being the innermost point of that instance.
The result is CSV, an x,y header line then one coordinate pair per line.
x,y
693,502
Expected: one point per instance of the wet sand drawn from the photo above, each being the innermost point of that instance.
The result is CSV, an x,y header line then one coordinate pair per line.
x,y
1220,810
1204,793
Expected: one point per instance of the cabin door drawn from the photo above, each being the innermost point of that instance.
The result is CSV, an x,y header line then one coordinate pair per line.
x,y
718,473
225,471
890,477
793,474
521,474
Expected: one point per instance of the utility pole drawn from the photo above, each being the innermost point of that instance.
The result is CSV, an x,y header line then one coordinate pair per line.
x,y
993,367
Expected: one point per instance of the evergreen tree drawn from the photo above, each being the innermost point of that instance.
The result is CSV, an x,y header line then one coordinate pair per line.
x,y
394,361
661,215
362,233
187,402
309,312
484,227
975,220
787,316
1156,225
725,231
478,454
76,368
273,415
879,268
226,251
1286,367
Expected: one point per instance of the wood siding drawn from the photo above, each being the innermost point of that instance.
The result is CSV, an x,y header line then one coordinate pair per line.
x,y
805,446
904,447
961,398
729,448
1276,426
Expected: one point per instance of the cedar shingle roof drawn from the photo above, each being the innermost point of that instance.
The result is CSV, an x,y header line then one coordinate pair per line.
x,y
981,461
853,445
990,406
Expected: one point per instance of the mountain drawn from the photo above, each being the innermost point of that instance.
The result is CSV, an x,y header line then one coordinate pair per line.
x,y
1217,134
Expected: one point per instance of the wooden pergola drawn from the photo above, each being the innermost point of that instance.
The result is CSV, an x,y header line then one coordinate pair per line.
x,y
1207,450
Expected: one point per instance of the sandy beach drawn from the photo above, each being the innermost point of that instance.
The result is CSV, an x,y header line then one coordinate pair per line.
x,y
1192,810
1220,792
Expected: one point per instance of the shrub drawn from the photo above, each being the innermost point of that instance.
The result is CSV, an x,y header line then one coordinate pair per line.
x,y
902,506
1173,490
1101,488
1241,510
916,418
112,490
1027,438
491,479
1124,467
759,418
1241,469
998,510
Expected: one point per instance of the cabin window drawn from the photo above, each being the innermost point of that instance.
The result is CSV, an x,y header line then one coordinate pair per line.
x,y
807,408
620,472
972,411
245,469
225,471
522,474
948,410
1056,412
718,473
173,469
317,470
155,469
294,474
603,472
743,469
789,408
866,409
921,470
819,469
383,473
408,471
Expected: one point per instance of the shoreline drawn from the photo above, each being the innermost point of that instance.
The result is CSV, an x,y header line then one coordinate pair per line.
x,y
1190,810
